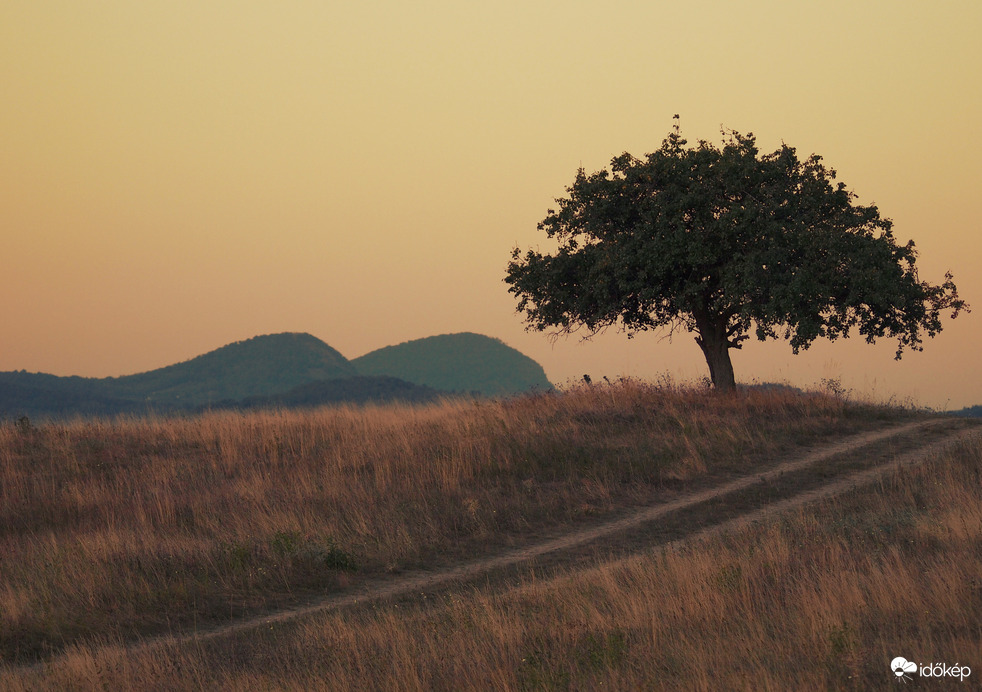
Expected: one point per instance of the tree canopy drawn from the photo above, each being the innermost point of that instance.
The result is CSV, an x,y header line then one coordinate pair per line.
x,y
725,242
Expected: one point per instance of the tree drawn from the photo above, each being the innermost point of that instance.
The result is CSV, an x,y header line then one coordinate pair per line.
x,y
722,241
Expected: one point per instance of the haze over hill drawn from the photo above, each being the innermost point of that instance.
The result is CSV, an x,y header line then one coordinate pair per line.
x,y
285,370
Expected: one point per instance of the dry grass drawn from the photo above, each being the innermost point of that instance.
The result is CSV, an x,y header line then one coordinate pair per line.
x,y
134,527
822,598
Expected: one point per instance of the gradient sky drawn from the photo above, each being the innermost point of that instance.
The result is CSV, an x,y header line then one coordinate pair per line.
x,y
178,175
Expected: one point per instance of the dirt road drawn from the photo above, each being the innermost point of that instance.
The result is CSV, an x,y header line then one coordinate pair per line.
x,y
415,582
817,474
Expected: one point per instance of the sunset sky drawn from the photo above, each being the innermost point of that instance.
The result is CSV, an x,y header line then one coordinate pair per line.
x,y
178,175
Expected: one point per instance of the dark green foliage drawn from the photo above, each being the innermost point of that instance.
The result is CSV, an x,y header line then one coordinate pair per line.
x,y
969,412
333,557
465,363
725,242
325,553
24,426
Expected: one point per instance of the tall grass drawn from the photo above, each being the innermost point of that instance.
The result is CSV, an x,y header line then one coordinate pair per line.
x,y
821,598
143,526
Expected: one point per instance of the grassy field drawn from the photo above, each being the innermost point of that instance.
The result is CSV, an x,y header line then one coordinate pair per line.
x,y
115,530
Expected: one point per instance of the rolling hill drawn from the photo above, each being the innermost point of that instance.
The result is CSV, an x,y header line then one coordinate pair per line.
x,y
285,370
262,365
464,362
257,367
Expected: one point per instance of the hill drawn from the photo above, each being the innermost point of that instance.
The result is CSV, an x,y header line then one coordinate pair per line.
x,y
463,362
262,365
257,367
282,370
50,396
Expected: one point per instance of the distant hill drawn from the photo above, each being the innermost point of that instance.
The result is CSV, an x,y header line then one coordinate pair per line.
x,y
262,365
969,412
49,396
465,362
282,370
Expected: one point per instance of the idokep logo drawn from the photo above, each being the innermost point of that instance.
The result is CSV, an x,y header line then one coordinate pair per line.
x,y
903,669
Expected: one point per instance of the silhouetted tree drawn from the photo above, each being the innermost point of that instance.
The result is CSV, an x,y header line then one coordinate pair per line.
x,y
719,241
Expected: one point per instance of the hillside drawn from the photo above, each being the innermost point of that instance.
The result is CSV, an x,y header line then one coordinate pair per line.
x,y
230,551
40,395
463,362
260,366
282,370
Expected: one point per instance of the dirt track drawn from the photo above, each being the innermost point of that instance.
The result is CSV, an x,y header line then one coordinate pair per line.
x,y
922,438
415,582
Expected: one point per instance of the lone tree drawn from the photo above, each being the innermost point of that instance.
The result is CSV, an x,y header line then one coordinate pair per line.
x,y
722,241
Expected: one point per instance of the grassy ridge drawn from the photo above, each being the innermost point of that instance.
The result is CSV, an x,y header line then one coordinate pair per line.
x,y
145,526
821,598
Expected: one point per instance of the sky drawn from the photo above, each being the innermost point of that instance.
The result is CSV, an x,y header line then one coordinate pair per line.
x,y
176,176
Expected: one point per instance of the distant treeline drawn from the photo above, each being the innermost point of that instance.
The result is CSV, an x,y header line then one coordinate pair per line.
x,y
969,412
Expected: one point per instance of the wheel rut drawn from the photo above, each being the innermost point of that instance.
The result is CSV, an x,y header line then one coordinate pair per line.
x,y
919,438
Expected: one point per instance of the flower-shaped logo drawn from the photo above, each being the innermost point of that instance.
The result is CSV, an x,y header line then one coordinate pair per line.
x,y
901,667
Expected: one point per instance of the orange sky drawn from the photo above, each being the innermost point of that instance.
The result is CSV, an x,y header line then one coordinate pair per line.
x,y
178,175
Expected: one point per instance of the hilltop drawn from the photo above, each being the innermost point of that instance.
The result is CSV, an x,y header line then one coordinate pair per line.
x,y
463,362
285,370
262,365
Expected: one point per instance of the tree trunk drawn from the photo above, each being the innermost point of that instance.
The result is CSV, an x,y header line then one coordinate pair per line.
x,y
716,348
